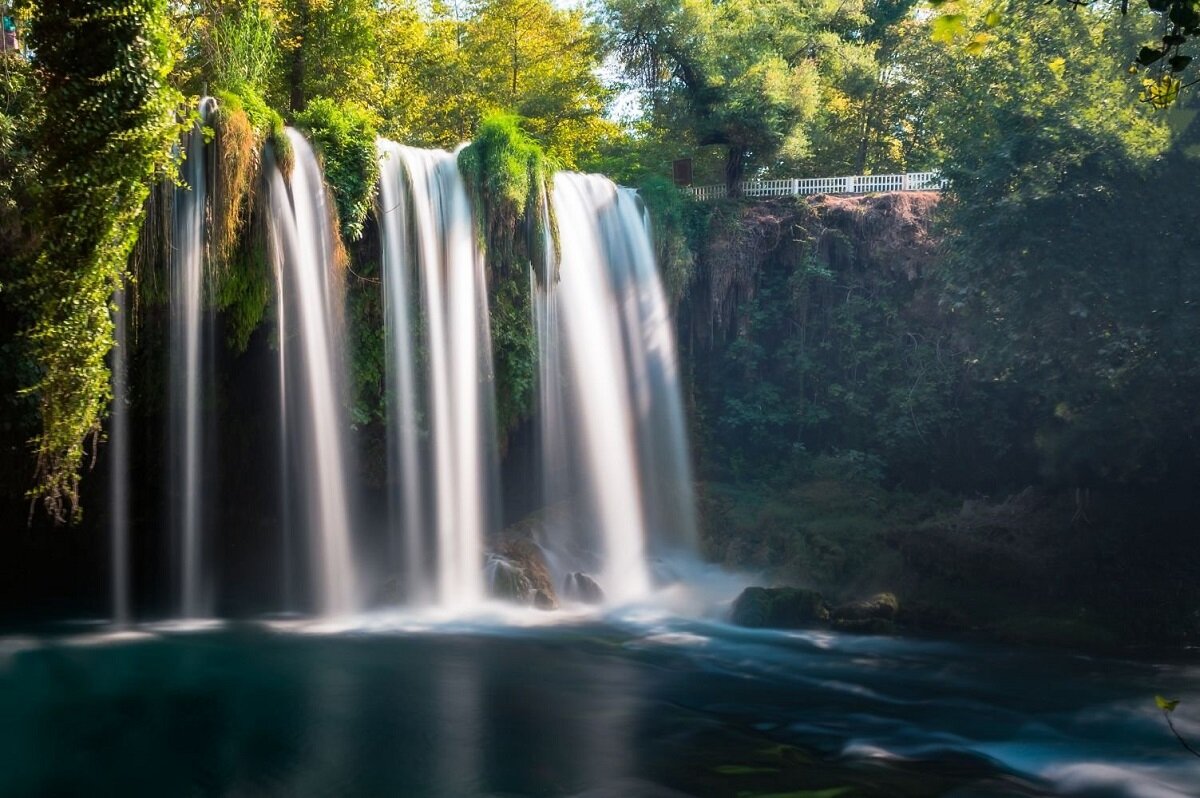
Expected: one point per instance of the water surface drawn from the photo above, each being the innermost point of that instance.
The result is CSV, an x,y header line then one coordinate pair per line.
x,y
634,705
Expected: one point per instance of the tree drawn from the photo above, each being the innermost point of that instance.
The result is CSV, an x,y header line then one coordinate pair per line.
x,y
742,75
1166,65
330,47
1072,247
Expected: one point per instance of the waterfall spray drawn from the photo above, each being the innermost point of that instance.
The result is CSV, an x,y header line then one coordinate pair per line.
x,y
612,440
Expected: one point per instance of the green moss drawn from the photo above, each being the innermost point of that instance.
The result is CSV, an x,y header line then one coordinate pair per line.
x,y
344,137
367,345
244,291
678,222
509,178
514,352
281,146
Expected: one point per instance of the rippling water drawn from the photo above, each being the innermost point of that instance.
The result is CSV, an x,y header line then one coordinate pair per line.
x,y
634,705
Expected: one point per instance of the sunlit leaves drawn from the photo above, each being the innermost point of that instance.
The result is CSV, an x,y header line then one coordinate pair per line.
x,y
961,23
1166,704
104,141
1160,92
948,27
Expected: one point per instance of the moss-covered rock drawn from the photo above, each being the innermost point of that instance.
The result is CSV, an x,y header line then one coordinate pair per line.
x,y
509,177
881,606
779,607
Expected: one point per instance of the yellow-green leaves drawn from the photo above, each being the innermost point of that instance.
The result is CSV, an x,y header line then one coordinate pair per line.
x,y
1166,704
1057,66
104,142
948,27
978,43
1161,91
344,136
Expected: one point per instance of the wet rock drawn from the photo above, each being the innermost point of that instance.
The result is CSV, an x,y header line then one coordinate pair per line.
x,y
779,608
880,607
507,581
865,626
544,601
527,555
580,587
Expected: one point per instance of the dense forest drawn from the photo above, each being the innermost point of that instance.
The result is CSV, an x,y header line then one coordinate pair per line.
x,y
1002,367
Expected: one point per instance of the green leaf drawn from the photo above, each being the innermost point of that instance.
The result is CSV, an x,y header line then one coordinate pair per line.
x,y
948,27
992,18
1166,704
978,44
1057,66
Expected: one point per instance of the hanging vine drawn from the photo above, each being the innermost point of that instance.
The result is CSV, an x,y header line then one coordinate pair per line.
x,y
110,121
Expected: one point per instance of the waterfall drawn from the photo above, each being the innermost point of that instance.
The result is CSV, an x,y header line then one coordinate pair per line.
x,y
406,498
612,439
312,362
186,436
427,231
118,486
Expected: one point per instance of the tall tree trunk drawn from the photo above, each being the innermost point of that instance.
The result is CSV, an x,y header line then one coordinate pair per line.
x,y
735,169
868,126
296,76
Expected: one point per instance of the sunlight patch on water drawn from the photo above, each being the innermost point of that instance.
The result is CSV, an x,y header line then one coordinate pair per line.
x,y
1091,778
184,625
107,638
869,751
684,639
10,647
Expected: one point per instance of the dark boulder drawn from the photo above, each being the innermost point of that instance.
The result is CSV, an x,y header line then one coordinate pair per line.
x,y
880,607
779,608
581,587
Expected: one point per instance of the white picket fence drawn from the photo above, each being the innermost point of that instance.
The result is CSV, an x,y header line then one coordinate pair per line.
x,y
854,184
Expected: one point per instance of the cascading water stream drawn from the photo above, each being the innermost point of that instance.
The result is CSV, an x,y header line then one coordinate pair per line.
x,y
661,429
118,485
187,296
612,441
427,228
312,364
407,498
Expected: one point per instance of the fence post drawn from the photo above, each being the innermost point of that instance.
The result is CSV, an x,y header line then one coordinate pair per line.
x,y
849,185
904,182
